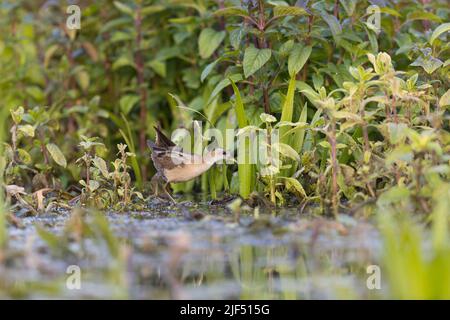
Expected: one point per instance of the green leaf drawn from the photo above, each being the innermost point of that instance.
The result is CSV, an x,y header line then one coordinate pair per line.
x,y
286,48
27,130
423,15
299,135
208,41
245,170
100,164
346,115
240,113
439,30
288,109
236,37
35,92
56,154
222,85
394,195
428,63
231,11
83,79
123,61
286,150
281,11
400,153
127,103
93,185
295,186
123,8
49,54
397,132
208,69
390,11
267,118
159,67
17,115
309,92
445,99
254,59
297,59
152,10
333,23
24,156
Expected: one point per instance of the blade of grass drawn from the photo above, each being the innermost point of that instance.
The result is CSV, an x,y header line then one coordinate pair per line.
x,y
288,110
212,183
130,142
299,136
245,171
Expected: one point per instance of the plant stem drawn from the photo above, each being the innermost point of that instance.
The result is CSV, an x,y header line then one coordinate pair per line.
x,y
266,99
332,138
364,129
336,9
272,190
262,44
212,183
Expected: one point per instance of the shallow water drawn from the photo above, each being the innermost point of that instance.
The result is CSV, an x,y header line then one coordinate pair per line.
x,y
193,251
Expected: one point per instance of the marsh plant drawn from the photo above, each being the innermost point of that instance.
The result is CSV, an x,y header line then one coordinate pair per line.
x,y
347,94
357,95
101,187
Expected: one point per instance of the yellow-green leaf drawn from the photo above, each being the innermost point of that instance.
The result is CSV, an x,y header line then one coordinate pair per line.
x,y
56,154
445,99
281,11
439,30
208,41
254,59
297,59
27,130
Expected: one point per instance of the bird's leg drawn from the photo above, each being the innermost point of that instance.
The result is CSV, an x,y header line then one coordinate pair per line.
x,y
168,193
155,185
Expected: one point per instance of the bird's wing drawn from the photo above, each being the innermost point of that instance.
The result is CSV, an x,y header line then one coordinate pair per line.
x,y
171,157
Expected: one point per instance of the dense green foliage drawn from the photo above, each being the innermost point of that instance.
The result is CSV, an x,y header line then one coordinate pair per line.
x,y
362,110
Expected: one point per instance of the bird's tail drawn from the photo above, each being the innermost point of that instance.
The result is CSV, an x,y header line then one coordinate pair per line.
x,y
161,139
151,144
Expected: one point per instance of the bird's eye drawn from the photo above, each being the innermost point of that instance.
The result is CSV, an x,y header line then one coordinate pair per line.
x,y
224,153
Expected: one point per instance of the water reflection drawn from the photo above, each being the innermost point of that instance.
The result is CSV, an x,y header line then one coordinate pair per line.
x,y
146,256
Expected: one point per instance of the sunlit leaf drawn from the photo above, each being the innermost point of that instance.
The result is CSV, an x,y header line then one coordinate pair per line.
x,y
231,11
281,11
123,8
208,69
27,130
297,59
127,103
267,118
428,63
100,164
159,67
438,31
57,155
423,15
286,150
208,41
254,59
445,99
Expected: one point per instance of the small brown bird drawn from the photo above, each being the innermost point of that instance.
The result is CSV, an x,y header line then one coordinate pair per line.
x,y
175,166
